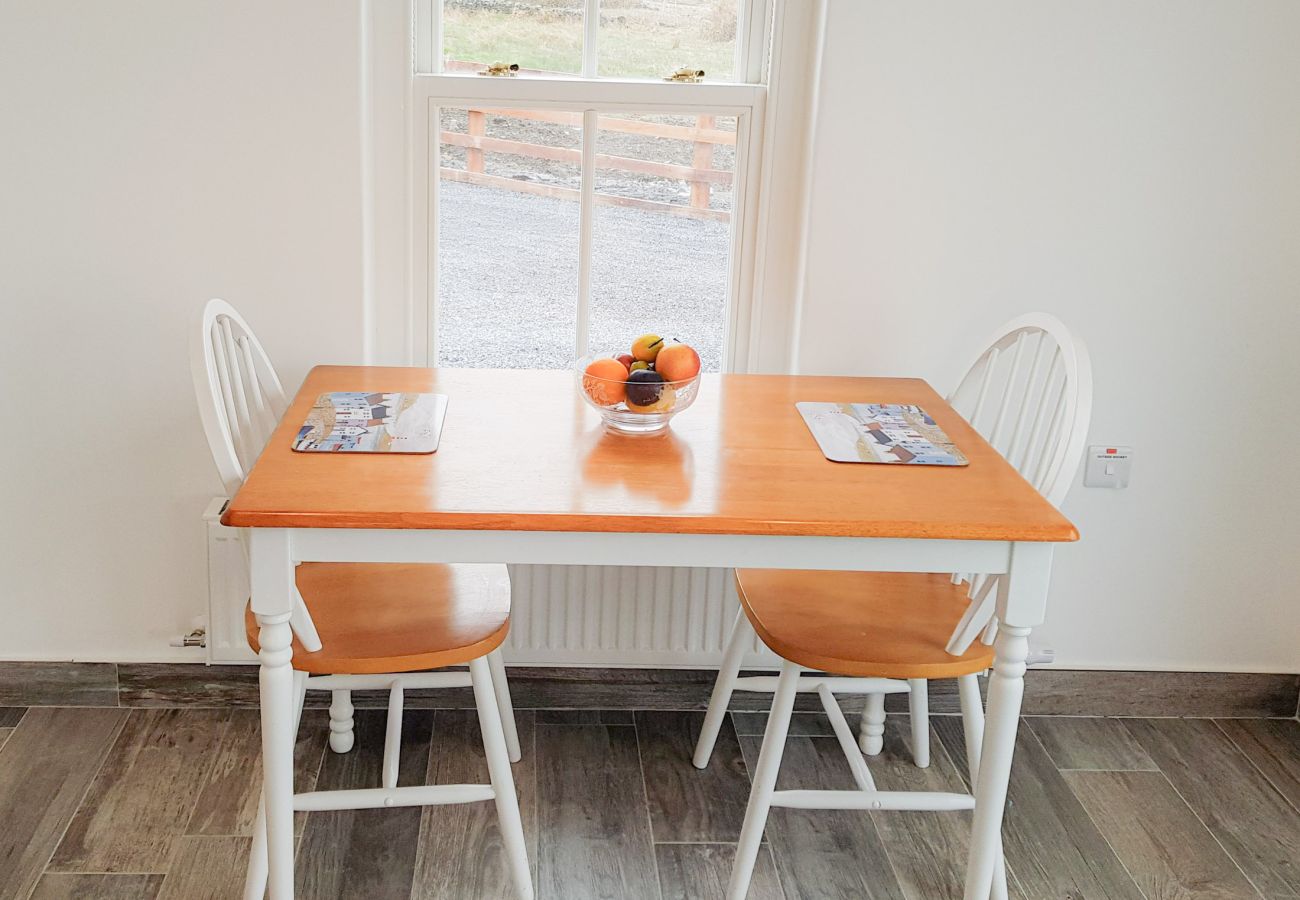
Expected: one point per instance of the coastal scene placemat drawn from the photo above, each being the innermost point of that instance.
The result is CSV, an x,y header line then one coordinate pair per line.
x,y
359,422
879,433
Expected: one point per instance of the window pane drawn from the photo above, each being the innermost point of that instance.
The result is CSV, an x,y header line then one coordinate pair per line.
x,y
662,231
508,238
653,38
540,35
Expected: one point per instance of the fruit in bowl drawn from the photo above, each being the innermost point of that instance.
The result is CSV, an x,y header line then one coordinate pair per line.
x,y
644,388
647,347
605,381
641,396
678,362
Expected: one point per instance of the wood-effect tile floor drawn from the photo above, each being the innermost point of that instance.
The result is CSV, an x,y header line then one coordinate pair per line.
x,y
123,804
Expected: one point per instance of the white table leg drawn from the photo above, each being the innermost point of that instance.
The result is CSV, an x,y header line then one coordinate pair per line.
x,y
1022,601
255,876
273,599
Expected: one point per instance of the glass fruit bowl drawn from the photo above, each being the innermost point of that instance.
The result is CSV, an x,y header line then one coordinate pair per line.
x,y
636,406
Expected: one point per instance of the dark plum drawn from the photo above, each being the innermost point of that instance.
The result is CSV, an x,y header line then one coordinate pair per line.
x,y
644,387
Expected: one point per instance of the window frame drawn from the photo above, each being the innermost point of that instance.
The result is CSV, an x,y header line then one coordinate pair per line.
x,y
430,90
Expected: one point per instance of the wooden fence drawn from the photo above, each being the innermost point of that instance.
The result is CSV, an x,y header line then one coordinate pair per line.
x,y
700,174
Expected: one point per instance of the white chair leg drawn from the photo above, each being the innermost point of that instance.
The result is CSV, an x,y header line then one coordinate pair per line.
x,y
840,725
256,874
972,720
503,784
341,736
741,631
760,795
871,733
502,687
919,704
393,735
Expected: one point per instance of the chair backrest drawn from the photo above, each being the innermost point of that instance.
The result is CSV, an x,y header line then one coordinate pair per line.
x,y
1029,393
239,394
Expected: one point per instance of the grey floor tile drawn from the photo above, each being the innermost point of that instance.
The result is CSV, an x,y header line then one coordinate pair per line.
x,y
690,805
584,717
702,871
185,684
58,684
132,783
1053,848
145,793
823,853
1090,743
229,793
806,724
1066,692
1250,818
1273,746
928,850
46,767
207,868
366,853
98,887
461,852
594,823
1163,845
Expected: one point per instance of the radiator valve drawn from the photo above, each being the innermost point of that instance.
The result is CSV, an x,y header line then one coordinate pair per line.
x,y
196,638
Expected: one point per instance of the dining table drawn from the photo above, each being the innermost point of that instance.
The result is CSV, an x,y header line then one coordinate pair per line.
x,y
526,473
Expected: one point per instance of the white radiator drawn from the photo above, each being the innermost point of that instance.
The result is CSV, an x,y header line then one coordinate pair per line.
x,y
227,590
607,616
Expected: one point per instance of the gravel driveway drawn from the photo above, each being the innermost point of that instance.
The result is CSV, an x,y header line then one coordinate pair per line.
x,y
509,273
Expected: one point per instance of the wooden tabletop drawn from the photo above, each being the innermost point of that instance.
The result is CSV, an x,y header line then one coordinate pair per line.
x,y
521,451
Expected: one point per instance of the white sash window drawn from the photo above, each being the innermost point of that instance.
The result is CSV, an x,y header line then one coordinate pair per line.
x,y
584,199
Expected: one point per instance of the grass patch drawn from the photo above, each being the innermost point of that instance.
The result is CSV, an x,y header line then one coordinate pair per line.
x,y
634,42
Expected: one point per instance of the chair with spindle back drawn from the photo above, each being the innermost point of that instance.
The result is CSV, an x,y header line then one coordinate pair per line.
x,y
1029,393
365,626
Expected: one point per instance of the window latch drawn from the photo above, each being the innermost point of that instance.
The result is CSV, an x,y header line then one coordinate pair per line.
x,y
686,75
501,70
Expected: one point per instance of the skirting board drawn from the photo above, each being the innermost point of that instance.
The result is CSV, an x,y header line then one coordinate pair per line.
x,y
1047,691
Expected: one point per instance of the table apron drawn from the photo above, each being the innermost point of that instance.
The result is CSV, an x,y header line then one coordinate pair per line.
x,y
622,549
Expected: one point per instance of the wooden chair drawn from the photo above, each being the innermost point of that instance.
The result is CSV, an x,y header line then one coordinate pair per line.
x,y
366,626
878,633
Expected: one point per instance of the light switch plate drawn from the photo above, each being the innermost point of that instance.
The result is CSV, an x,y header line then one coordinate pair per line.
x,y
1108,466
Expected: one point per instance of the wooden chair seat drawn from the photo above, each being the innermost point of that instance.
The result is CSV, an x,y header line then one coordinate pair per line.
x,y
380,618
873,624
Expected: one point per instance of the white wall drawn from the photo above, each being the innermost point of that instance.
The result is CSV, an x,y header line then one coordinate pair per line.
x,y
1135,169
153,154
1129,166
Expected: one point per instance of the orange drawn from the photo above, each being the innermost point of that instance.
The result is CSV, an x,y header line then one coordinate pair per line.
x,y
604,380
